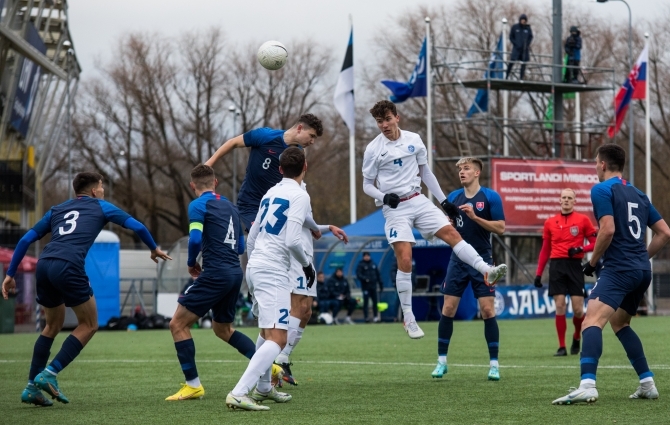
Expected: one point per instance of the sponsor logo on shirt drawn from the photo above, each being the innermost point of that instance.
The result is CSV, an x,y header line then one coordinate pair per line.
x,y
480,206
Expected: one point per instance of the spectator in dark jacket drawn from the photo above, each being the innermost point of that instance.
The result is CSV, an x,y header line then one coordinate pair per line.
x,y
573,48
322,302
367,274
520,36
340,295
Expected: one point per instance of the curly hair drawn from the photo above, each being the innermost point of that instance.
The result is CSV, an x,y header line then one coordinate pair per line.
x,y
382,107
312,121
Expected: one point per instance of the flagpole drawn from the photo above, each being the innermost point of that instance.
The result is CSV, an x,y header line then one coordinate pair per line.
x,y
647,170
352,157
505,95
429,101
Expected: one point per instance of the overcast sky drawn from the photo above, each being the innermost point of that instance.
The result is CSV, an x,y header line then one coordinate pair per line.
x,y
96,25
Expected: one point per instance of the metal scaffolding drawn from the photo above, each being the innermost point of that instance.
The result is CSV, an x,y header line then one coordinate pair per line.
x,y
39,73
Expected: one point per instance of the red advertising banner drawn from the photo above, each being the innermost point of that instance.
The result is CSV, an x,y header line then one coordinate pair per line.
x,y
531,190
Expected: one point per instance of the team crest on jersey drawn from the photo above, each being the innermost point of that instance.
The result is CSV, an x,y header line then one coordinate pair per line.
x,y
574,230
410,148
469,204
480,206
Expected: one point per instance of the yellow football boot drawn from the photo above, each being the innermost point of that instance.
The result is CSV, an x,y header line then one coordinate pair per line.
x,y
187,393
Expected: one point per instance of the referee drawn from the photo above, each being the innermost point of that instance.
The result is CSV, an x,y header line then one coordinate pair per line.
x,y
563,241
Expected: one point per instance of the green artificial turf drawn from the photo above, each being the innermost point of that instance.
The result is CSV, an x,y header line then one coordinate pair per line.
x,y
347,375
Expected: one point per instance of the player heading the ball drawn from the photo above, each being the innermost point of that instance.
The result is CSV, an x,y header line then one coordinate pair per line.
x,y
394,165
266,145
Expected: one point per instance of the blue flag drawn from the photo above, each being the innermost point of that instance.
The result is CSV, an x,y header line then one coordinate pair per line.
x,y
416,86
481,103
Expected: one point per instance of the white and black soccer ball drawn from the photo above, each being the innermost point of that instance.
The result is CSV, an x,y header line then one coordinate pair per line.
x,y
272,55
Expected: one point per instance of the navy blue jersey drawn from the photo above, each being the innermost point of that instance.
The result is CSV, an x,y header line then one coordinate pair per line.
x,y
263,167
632,213
222,241
74,225
487,205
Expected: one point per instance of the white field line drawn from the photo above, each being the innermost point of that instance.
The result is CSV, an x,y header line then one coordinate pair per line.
x,y
359,363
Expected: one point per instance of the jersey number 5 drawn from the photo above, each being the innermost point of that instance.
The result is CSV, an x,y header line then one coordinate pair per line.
x,y
633,218
72,222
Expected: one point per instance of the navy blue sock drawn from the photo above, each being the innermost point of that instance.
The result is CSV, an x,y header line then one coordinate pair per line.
x,y
41,353
243,344
592,349
492,335
633,346
444,331
68,351
186,356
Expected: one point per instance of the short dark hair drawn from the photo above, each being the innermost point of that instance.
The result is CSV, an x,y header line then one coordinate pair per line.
x,y
613,155
84,181
292,162
366,253
202,176
382,107
312,121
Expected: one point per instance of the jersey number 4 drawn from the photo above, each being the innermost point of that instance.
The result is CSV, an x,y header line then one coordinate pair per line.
x,y
398,161
230,236
283,205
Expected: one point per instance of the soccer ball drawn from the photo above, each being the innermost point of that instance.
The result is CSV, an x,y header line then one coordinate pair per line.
x,y
272,55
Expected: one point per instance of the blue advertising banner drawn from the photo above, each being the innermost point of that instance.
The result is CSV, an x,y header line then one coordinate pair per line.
x,y
27,85
526,302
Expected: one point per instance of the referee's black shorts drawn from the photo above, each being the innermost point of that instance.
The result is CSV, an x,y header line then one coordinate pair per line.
x,y
566,277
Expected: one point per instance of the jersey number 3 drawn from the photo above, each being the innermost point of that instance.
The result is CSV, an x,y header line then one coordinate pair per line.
x,y
72,222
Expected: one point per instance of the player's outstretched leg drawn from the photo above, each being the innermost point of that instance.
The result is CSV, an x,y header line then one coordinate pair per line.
x,y
445,330
41,351
492,335
192,389
295,332
591,352
260,365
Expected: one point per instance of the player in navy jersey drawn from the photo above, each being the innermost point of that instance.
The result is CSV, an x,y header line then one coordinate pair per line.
x,y
62,281
215,230
263,166
623,213
481,213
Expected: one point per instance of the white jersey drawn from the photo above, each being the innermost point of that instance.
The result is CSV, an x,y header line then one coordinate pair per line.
x,y
394,165
286,201
307,242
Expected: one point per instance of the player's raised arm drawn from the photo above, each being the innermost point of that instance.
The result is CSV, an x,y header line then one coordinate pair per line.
x,y
33,235
229,145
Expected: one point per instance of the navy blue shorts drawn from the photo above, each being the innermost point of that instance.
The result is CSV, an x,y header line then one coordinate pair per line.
x,y
621,289
247,216
60,281
459,275
214,291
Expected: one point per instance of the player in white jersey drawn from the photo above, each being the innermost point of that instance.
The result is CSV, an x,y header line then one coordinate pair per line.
x,y
274,237
302,296
396,162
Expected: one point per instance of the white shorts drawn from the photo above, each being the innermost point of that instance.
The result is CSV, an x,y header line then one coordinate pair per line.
x,y
418,213
271,293
297,279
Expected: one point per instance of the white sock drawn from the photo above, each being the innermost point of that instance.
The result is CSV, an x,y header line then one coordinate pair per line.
x,y
466,253
403,282
259,365
259,342
46,369
265,382
493,363
647,382
293,327
195,383
442,359
587,383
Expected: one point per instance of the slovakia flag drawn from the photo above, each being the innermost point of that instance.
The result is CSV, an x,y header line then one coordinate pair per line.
x,y
635,87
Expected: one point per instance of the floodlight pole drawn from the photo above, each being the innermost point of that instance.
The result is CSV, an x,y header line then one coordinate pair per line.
x,y
68,124
235,113
505,94
429,101
647,172
557,74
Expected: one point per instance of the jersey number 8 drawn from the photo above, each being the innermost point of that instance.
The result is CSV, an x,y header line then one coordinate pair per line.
x,y
266,163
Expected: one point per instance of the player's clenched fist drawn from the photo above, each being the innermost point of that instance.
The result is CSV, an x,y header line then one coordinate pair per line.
x,y
392,200
451,210
309,274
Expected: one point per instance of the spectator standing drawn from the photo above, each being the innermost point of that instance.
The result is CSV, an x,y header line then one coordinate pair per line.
x,y
521,35
573,48
367,274
563,241
340,295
